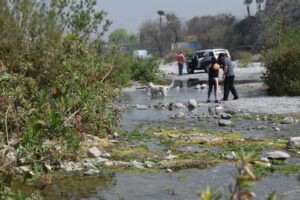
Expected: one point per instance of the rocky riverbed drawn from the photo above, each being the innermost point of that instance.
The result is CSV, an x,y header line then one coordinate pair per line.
x,y
169,147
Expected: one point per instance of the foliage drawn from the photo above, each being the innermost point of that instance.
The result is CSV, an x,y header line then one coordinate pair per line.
x,y
244,58
282,60
122,37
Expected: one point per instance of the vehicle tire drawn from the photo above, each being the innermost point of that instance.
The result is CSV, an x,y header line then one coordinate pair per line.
x,y
190,70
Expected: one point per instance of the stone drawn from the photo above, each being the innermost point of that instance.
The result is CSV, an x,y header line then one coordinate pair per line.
x,y
94,152
179,115
198,86
22,169
169,170
105,155
231,156
149,164
90,165
294,142
92,172
192,104
170,157
122,164
142,107
288,120
264,159
203,86
137,164
11,156
276,129
277,155
219,108
109,164
224,122
115,134
48,167
226,116
262,127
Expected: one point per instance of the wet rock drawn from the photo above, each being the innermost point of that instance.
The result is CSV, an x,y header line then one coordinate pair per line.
x,y
294,142
192,104
173,106
115,134
90,165
11,156
92,172
94,152
170,157
276,129
231,156
224,122
109,164
149,164
198,86
226,116
262,127
142,107
137,164
288,120
277,155
105,155
179,115
169,170
22,169
203,86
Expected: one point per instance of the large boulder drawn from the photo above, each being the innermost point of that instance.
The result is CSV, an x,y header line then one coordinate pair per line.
x,y
93,152
192,104
277,155
224,122
294,142
288,120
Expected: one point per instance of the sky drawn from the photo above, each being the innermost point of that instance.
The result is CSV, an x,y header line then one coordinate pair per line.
x,y
130,14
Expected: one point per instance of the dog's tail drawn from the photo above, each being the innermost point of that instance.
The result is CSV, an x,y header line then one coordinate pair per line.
x,y
172,84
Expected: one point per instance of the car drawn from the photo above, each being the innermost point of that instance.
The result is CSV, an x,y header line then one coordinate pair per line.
x,y
201,59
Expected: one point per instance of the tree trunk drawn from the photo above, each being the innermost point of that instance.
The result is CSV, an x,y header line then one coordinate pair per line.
x,y
248,9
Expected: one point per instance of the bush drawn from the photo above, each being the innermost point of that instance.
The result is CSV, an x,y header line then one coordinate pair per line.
x,y
244,58
282,62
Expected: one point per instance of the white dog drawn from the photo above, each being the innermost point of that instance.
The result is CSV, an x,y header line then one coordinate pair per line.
x,y
159,89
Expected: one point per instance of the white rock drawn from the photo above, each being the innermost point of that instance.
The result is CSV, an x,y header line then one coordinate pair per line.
x,y
224,122
105,155
48,167
115,134
169,170
225,116
288,120
198,86
219,108
231,156
192,104
203,86
22,169
149,164
142,107
89,165
264,159
11,156
294,142
170,157
137,164
276,129
277,155
93,152
92,172
109,164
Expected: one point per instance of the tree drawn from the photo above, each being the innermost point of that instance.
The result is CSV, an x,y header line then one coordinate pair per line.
x,y
160,13
121,36
175,27
248,3
259,2
157,35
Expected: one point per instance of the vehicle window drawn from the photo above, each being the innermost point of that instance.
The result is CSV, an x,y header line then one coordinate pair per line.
x,y
200,54
211,53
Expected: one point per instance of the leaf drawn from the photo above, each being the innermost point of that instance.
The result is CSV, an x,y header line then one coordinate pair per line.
x,y
5,77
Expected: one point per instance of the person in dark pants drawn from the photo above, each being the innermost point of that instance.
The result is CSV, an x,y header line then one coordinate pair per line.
x,y
228,77
180,60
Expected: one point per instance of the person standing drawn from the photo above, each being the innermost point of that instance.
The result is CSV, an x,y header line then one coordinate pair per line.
x,y
213,81
180,61
228,77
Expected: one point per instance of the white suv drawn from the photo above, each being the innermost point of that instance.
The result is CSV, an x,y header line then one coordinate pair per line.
x,y
201,59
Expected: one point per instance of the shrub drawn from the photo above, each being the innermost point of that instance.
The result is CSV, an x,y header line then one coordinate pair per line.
x,y
282,63
244,58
